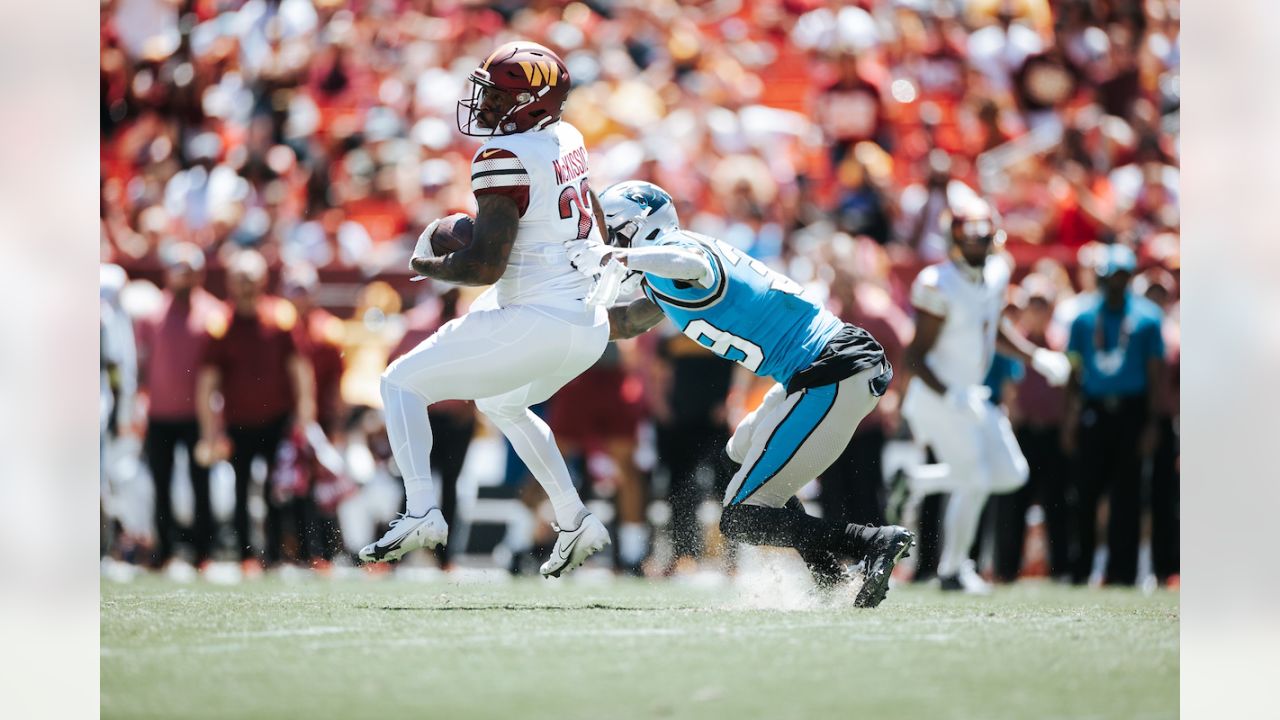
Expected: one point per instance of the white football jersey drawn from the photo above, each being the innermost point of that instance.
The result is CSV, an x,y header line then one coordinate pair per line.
x,y
971,310
545,172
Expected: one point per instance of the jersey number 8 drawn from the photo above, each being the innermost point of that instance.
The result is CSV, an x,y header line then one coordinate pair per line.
x,y
748,355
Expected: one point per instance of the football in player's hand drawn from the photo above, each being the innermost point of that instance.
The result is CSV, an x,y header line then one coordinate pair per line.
x,y
452,234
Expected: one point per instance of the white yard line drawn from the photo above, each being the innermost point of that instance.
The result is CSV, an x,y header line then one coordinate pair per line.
x,y
500,639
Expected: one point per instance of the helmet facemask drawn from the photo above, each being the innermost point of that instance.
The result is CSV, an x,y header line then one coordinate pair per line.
x,y
487,98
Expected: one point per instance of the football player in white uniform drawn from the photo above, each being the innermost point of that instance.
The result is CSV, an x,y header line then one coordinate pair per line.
x,y
531,332
958,331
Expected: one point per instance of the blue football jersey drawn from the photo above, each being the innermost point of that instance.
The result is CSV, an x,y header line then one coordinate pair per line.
x,y
750,314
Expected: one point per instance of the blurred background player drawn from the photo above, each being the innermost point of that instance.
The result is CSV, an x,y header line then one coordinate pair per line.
x,y
267,388
959,328
531,333
1113,412
828,375
171,345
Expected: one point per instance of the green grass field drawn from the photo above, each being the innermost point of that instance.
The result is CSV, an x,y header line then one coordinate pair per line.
x,y
366,648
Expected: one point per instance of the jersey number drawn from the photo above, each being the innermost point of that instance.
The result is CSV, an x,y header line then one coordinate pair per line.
x,y
777,281
569,197
726,344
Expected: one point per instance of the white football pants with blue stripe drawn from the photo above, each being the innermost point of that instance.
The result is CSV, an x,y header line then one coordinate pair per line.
x,y
790,439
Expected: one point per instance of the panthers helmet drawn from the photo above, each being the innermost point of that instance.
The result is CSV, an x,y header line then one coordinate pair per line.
x,y
637,213
521,86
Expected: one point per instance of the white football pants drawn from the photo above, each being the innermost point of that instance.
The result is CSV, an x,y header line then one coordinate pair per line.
x,y
506,359
982,458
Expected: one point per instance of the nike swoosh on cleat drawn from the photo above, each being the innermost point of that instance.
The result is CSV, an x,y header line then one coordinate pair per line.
x,y
568,551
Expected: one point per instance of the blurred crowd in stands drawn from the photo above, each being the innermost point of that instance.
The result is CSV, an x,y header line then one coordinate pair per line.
x,y
267,164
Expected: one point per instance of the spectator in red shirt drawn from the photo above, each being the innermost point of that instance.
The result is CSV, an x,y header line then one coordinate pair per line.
x,y
318,335
172,344
264,380
850,109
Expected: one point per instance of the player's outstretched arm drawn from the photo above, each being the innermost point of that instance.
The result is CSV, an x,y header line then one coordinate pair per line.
x,y
485,259
633,318
1054,366
669,261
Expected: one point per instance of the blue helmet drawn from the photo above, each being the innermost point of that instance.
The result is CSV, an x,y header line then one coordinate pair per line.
x,y
637,213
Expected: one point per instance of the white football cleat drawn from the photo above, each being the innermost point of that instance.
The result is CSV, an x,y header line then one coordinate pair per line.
x,y
573,547
408,533
967,580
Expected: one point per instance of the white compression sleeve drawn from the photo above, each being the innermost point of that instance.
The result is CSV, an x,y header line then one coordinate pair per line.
x,y
409,431
533,442
671,262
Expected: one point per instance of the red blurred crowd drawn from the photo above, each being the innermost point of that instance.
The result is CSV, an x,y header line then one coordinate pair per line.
x,y
820,137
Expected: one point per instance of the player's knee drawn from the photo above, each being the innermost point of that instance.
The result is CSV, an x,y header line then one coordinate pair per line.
x,y
499,412
393,385
736,448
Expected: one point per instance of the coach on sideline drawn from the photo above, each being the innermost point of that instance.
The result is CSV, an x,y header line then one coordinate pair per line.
x,y
1112,409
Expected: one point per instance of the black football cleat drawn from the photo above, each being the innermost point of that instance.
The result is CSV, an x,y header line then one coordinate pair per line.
x,y
889,545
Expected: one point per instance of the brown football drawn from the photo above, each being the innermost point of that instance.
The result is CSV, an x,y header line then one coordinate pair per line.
x,y
452,234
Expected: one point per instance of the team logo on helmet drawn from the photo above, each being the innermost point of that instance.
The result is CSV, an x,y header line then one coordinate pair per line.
x,y
637,212
538,72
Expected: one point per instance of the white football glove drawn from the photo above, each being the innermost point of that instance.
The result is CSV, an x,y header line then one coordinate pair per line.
x,y
587,256
423,248
968,399
608,285
1054,366
631,283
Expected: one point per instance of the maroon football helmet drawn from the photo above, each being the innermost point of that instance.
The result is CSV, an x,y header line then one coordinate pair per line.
x,y
521,86
973,219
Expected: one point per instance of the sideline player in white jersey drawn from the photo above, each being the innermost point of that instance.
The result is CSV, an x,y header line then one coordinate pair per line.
x,y
531,332
958,331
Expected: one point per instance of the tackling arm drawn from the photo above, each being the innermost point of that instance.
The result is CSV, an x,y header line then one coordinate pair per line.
x,y
633,318
669,261
485,260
